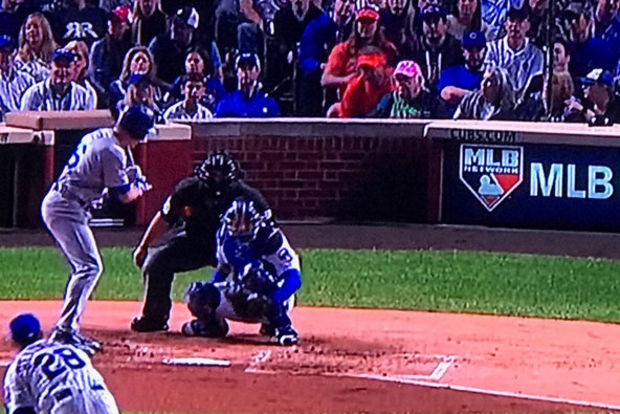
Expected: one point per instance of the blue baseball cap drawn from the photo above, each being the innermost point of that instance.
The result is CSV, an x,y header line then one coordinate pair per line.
x,y
7,42
63,55
433,12
25,328
474,38
599,76
137,78
137,120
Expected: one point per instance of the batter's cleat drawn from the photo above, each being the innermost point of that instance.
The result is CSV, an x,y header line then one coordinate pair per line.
x,y
286,336
267,330
214,329
90,346
143,324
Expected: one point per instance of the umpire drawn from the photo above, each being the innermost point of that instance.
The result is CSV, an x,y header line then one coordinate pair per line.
x,y
181,236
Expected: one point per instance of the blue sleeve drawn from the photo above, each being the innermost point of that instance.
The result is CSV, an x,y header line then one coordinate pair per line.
x,y
118,192
292,282
310,44
218,277
221,110
215,84
444,79
216,59
274,109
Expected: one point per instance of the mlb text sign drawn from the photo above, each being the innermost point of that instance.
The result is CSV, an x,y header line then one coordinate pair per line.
x,y
532,185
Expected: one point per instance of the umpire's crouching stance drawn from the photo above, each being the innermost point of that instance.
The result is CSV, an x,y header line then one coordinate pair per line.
x,y
184,230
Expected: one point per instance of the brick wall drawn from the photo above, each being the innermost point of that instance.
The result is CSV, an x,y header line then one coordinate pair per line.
x,y
367,174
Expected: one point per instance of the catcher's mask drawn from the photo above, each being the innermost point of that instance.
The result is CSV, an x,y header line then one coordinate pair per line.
x,y
218,169
242,221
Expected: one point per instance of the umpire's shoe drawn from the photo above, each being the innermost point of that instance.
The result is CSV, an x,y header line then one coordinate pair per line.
x,y
213,329
286,336
143,324
90,346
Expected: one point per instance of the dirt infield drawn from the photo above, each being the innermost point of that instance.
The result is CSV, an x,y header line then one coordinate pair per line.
x,y
354,360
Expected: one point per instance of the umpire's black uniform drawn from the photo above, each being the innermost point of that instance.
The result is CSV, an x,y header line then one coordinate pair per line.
x,y
193,210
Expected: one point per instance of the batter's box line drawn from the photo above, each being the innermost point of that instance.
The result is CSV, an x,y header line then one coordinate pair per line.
x,y
496,393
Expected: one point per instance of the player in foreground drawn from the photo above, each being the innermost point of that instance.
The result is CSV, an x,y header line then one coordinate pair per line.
x,y
181,236
49,377
257,275
98,166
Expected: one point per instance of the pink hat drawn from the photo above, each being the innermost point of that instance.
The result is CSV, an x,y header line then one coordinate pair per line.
x,y
408,68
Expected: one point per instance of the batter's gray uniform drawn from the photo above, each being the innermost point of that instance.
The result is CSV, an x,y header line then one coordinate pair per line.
x,y
56,379
97,163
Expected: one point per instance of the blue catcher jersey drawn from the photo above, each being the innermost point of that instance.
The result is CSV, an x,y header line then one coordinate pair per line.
x,y
270,247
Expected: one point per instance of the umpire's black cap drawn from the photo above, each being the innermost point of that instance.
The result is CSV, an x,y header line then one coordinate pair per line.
x,y
137,120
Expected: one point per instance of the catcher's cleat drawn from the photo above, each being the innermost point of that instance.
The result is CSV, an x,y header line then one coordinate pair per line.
x,y
90,346
214,329
267,330
143,324
286,336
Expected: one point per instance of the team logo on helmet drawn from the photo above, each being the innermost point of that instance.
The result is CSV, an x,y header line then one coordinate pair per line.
x,y
491,172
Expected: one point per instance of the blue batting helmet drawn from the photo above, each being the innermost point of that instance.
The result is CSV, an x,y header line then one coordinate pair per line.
x,y
137,120
25,329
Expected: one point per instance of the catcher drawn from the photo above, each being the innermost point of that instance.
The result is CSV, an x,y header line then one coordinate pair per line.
x,y
257,275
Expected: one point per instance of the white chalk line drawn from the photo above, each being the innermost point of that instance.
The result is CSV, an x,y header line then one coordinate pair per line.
x,y
257,359
430,381
423,383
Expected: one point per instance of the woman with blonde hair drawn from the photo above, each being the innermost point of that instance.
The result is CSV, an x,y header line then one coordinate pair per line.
x,y
148,21
79,67
138,60
36,46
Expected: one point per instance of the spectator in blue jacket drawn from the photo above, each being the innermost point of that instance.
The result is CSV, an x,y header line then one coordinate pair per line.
x,y
320,36
456,81
247,101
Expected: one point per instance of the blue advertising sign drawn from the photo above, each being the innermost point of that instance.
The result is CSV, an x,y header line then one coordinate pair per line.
x,y
532,185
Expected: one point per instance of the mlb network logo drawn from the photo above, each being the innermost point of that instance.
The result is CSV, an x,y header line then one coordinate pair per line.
x,y
491,172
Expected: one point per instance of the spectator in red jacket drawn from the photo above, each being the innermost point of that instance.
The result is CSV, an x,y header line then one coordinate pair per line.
x,y
365,89
341,64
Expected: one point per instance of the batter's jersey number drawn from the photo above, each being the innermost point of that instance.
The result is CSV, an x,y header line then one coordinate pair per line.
x,y
55,363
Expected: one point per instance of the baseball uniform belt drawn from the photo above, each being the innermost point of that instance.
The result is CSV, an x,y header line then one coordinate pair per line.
x,y
68,195
62,394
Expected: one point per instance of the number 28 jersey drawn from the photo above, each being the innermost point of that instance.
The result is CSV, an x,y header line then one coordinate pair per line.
x,y
44,368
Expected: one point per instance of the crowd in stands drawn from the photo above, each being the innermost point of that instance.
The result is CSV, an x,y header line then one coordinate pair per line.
x,y
199,59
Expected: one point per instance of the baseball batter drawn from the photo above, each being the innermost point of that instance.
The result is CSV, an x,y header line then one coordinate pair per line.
x,y
257,275
49,377
98,163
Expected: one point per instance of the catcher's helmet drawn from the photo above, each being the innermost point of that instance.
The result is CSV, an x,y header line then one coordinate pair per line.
x,y
242,220
218,168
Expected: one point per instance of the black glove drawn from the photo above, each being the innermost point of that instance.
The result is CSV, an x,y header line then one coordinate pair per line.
x,y
259,306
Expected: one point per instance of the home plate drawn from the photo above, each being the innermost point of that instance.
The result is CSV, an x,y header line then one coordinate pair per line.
x,y
197,361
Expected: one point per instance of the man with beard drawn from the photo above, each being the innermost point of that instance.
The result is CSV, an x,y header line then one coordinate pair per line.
x,y
436,49
247,101
58,92
13,83
515,52
456,81
410,100
317,40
